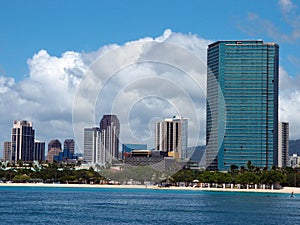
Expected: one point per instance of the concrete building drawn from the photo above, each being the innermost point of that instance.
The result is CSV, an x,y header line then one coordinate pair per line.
x,y
294,161
7,151
91,146
22,141
52,153
242,104
171,136
283,144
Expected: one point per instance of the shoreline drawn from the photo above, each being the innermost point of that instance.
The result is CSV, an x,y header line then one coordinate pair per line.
x,y
285,190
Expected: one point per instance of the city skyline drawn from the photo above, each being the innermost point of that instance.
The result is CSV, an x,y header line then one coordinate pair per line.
x,y
38,80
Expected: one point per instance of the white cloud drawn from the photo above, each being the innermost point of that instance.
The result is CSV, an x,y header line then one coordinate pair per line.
x,y
5,84
289,101
291,16
141,81
286,6
46,96
163,68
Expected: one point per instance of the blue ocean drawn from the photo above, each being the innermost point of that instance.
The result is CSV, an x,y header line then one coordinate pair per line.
x,y
50,205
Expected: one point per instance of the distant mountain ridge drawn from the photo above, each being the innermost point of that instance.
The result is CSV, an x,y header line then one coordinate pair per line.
x,y
294,147
196,153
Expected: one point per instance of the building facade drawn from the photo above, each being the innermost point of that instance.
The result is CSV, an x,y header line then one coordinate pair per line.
x,y
110,131
52,153
91,146
70,145
283,144
294,161
171,136
66,157
242,104
7,151
22,141
54,144
39,151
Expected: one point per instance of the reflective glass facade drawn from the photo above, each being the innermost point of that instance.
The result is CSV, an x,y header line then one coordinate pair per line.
x,y
242,118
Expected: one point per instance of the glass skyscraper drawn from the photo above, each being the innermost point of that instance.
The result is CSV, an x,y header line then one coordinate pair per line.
x,y
242,104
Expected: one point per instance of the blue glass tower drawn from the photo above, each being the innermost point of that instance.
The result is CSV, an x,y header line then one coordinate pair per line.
x,y
242,104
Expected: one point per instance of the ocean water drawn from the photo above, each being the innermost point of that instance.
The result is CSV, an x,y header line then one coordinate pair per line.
x,y
39,205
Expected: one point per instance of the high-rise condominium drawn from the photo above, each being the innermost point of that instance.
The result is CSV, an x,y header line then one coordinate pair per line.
x,y
22,141
283,144
242,104
7,151
91,145
110,130
171,136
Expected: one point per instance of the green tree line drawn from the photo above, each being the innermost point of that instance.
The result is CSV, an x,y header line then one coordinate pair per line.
x,y
250,175
54,172
50,173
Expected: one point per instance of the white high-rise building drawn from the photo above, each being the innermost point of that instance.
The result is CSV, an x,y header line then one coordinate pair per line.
x,y
171,135
283,144
92,145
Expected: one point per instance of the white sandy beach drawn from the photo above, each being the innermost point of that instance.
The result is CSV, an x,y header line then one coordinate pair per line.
x,y
287,190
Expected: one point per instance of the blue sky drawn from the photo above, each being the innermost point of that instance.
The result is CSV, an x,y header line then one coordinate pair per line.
x,y
46,48
58,26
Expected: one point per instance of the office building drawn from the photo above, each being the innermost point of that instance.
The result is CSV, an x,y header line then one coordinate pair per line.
x,y
171,136
242,104
39,151
110,130
283,144
294,161
52,153
54,144
54,148
22,141
91,146
70,145
66,157
7,151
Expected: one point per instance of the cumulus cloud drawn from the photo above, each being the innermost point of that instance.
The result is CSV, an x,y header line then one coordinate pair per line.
x,y
289,101
141,81
170,69
5,84
46,96
286,6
